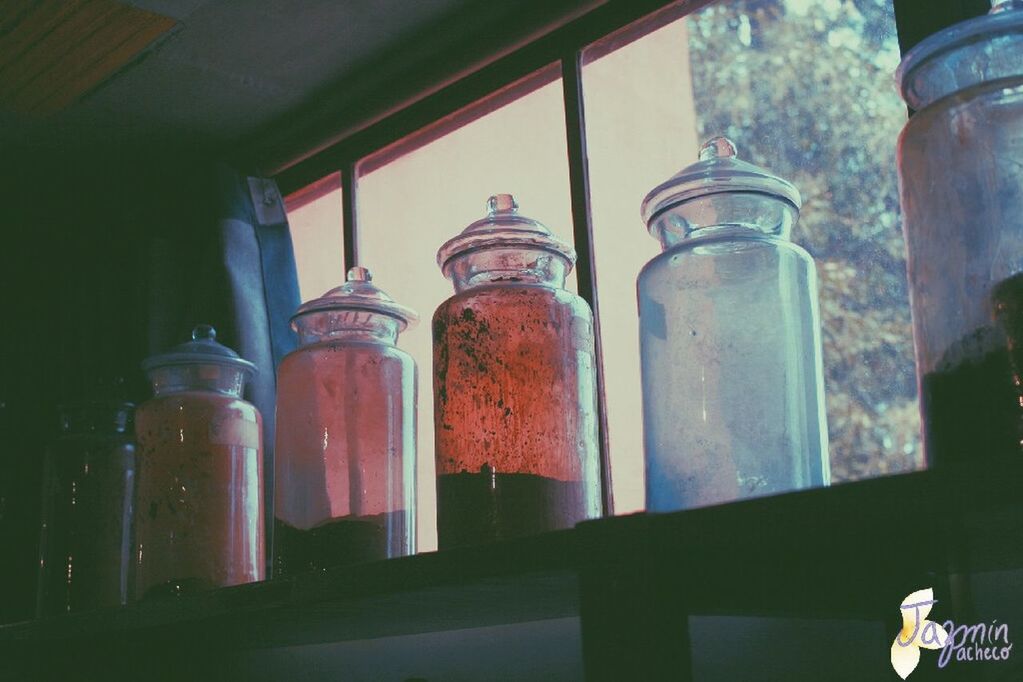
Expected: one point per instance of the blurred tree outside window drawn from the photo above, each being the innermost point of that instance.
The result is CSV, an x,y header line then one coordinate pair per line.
x,y
808,86
806,89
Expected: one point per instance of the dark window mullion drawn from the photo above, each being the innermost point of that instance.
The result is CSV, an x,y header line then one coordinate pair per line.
x,y
349,215
915,20
586,274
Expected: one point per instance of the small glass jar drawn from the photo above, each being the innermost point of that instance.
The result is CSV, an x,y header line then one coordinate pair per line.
x,y
730,343
515,404
86,542
199,505
961,180
346,421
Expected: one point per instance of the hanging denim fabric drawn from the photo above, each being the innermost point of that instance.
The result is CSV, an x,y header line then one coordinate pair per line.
x,y
232,265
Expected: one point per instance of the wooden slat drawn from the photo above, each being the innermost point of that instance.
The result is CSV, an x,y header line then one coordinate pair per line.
x,y
14,13
24,27
105,53
53,49
56,51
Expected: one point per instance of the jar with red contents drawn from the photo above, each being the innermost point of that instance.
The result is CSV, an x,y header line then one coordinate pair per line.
x,y
346,421
515,403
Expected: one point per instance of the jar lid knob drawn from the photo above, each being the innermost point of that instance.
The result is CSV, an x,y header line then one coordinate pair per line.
x,y
204,332
502,204
719,147
359,274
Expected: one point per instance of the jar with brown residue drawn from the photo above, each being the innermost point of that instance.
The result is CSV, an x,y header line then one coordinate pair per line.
x,y
199,506
346,421
960,162
514,385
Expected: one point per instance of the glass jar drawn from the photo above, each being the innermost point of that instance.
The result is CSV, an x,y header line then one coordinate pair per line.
x,y
86,543
961,181
199,505
346,422
515,403
730,344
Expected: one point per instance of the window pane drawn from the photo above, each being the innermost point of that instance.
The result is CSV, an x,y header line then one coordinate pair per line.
x,y
804,87
419,193
314,216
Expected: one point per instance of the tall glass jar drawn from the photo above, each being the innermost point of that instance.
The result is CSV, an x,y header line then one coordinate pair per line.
x,y
346,422
86,543
199,505
514,385
961,180
733,389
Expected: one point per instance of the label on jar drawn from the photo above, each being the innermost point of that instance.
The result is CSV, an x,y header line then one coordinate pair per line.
x,y
230,430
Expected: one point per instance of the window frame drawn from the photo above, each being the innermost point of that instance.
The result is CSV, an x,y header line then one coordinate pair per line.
x,y
565,45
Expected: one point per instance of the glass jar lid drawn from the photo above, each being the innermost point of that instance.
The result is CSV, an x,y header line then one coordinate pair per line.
x,y
503,227
978,50
360,294
718,171
203,349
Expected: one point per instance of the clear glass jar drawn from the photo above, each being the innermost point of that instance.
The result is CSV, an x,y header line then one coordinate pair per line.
x,y
515,404
733,388
961,181
345,454
199,503
86,542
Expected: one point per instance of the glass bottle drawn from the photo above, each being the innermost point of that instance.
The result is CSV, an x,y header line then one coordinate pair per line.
x,y
514,385
199,505
86,544
346,422
733,389
961,181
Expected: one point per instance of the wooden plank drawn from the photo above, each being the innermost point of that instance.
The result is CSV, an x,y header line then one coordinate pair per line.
x,y
53,52
26,26
105,60
56,48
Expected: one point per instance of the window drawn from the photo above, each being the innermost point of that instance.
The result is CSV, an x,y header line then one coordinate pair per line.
x,y
314,216
805,89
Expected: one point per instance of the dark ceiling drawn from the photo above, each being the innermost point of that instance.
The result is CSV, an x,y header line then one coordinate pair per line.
x,y
230,67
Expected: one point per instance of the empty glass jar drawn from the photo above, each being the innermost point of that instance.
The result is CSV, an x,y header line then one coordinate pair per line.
x,y
199,506
346,422
86,543
514,385
733,390
961,180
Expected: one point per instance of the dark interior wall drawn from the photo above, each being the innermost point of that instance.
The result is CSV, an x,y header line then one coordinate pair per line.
x,y
78,286
82,305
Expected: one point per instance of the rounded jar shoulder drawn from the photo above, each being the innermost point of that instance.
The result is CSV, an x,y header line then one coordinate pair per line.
x,y
342,350
735,257
194,404
515,294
